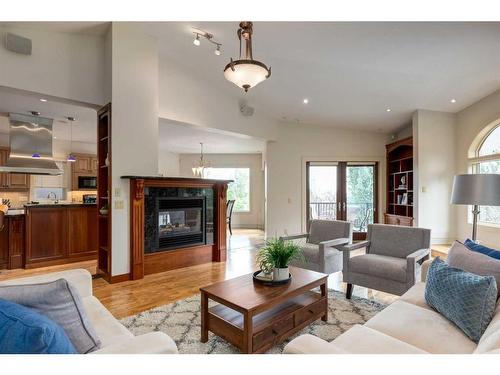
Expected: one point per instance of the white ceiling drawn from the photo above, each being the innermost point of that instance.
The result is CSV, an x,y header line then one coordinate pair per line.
x,y
351,72
84,127
185,139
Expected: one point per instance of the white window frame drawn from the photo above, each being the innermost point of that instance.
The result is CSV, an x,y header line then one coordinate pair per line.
x,y
473,168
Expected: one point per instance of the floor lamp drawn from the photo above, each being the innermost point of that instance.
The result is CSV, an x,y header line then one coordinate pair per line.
x,y
476,190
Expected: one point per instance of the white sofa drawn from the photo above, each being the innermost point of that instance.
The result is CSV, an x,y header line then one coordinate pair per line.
x,y
115,338
407,326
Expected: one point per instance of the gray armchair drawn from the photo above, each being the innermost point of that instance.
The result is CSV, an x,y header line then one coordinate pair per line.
x,y
319,250
393,259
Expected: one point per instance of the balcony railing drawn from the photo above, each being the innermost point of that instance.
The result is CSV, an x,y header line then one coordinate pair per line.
x,y
360,214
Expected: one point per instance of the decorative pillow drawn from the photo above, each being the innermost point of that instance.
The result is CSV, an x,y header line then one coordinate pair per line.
x,y
460,256
59,301
466,299
482,249
24,331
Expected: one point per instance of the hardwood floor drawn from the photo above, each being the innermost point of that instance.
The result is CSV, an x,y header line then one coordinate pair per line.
x,y
132,297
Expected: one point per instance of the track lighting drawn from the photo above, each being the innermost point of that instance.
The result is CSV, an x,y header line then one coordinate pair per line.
x,y
196,41
209,37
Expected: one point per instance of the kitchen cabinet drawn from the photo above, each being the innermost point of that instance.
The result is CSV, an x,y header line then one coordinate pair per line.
x,y
85,165
4,245
12,181
58,234
12,242
82,231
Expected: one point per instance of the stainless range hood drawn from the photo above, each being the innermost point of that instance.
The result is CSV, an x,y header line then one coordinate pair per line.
x,y
30,146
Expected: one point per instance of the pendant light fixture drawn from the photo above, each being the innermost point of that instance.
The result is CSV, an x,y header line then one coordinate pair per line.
x,y
246,72
71,158
199,171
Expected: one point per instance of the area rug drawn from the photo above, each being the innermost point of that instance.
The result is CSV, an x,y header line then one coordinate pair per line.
x,y
181,321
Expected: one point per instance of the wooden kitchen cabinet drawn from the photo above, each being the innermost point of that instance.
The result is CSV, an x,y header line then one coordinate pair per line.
x,y
82,229
4,245
12,242
85,165
47,235
60,234
14,181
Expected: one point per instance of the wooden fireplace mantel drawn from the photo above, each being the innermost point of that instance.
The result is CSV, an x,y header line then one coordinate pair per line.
x,y
141,264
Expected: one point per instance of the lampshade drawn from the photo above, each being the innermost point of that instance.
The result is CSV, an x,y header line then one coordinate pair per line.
x,y
476,189
246,73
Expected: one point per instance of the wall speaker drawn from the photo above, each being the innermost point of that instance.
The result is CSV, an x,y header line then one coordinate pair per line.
x,y
18,44
246,110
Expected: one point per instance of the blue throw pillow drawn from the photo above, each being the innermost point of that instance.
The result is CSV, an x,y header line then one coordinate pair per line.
x,y
24,331
466,299
471,245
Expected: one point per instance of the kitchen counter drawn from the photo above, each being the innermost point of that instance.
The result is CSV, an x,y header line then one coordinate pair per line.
x,y
56,205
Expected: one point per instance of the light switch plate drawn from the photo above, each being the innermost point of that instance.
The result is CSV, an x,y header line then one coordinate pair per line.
x,y
118,192
119,205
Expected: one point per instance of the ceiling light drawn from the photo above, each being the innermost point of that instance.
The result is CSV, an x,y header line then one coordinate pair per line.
x,y
388,110
197,42
246,72
217,50
453,100
43,100
199,170
306,101
71,158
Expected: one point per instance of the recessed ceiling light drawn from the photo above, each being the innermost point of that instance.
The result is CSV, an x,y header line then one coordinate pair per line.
x,y
55,137
388,110
43,100
453,100
305,101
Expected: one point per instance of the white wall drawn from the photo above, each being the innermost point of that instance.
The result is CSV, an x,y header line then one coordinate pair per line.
x,y
65,65
286,168
134,126
472,123
188,98
168,163
254,218
434,137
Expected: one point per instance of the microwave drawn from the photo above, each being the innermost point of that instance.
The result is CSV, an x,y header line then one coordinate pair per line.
x,y
87,182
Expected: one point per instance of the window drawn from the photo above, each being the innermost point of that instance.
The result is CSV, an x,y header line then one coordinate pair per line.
x,y
239,189
487,160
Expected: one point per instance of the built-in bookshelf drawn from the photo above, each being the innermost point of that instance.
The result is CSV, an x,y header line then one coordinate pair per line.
x,y
104,189
400,182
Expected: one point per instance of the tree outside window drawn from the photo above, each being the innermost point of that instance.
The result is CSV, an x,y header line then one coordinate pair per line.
x,y
239,189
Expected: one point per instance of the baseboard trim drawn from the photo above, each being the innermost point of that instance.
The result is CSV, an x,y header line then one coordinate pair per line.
x,y
119,278
248,226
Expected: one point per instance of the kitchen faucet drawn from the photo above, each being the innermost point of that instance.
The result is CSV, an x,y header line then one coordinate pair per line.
x,y
52,194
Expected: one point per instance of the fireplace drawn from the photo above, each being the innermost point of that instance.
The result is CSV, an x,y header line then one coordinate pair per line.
x,y
176,222
181,222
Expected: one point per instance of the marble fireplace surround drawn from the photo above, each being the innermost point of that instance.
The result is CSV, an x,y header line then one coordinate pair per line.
x,y
144,189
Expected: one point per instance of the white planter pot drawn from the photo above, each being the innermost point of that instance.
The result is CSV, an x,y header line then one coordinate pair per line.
x,y
280,274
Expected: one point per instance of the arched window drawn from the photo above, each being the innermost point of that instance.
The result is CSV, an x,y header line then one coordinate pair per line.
x,y
487,160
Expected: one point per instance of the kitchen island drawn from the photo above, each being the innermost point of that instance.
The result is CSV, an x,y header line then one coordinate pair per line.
x,y
49,234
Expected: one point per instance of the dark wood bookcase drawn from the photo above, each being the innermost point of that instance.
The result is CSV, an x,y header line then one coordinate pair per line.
x,y
104,189
400,182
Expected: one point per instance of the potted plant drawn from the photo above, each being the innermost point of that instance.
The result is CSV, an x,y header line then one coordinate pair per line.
x,y
275,257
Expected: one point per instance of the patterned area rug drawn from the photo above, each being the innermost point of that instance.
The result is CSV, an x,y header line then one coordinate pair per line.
x,y
181,321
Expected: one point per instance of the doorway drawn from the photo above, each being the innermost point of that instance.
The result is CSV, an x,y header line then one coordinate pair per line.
x,y
343,191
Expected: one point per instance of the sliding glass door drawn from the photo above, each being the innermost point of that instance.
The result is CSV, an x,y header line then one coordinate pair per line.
x,y
343,191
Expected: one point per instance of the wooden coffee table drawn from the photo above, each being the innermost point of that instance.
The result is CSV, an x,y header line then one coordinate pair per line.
x,y
254,317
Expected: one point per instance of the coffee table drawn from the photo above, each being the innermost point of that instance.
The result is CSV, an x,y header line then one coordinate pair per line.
x,y
254,317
